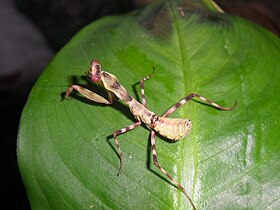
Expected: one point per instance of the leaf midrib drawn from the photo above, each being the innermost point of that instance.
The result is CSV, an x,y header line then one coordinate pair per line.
x,y
187,79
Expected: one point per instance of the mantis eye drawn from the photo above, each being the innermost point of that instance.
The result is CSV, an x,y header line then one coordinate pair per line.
x,y
95,71
95,78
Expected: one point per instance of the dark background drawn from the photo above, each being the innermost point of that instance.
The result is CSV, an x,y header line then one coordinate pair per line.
x,y
32,31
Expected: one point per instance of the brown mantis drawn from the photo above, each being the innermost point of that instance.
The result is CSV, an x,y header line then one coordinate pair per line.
x,y
171,128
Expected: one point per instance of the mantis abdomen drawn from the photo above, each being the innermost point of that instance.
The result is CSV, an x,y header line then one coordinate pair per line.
x,y
173,128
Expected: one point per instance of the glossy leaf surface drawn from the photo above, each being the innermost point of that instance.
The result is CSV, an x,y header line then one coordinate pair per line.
x,y
230,160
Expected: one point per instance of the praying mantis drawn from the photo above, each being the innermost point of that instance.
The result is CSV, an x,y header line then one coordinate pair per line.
x,y
171,128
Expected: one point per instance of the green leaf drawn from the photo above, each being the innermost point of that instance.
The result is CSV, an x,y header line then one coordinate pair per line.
x,y
230,160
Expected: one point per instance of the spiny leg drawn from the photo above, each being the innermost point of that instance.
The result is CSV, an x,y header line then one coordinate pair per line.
x,y
88,94
142,87
155,160
121,131
189,97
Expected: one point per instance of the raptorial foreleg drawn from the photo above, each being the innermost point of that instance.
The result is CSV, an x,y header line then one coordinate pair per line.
x,y
88,94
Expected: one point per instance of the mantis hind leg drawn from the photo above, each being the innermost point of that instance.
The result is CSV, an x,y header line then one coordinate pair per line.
x,y
155,160
189,97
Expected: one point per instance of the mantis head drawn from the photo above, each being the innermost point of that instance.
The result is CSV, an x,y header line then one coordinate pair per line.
x,y
94,74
